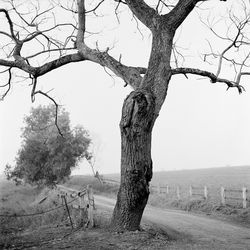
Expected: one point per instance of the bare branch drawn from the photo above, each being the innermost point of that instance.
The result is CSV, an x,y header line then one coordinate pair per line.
x,y
6,34
10,24
47,67
7,84
179,13
81,22
131,75
18,64
40,14
213,77
95,8
34,83
48,51
143,12
56,106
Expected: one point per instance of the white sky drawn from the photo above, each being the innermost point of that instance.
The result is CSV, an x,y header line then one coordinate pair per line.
x,y
201,124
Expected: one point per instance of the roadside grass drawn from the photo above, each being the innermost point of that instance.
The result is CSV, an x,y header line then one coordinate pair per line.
x,y
19,201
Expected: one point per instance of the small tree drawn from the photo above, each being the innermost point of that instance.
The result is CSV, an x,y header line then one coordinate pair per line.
x,y
46,157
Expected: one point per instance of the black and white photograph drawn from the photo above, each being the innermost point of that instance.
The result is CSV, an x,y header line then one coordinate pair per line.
x,y
125,124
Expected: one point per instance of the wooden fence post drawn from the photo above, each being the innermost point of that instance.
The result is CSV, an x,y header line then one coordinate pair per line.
x,y
205,192
81,206
191,191
223,196
178,193
158,188
67,208
91,205
244,196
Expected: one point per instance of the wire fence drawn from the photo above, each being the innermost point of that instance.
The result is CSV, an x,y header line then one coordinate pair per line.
x,y
77,197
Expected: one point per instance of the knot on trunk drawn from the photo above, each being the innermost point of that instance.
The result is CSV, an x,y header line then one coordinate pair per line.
x,y
138,112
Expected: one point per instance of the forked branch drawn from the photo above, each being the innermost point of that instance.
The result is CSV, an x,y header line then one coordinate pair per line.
x,y
143,12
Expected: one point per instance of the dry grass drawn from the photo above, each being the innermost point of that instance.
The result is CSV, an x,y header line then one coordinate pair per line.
x,y
22,200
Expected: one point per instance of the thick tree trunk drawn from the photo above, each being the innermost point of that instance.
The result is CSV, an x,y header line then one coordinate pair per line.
x,y
138,117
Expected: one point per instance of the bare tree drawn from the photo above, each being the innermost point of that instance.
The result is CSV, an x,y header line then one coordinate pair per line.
x,y
92,159
59,42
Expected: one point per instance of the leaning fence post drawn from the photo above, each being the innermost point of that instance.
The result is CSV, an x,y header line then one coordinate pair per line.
x,y
191,191
223,196
205,192
178,193
244,196
91,205
67,208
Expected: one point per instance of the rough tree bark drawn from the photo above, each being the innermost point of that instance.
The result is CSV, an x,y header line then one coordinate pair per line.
x,y
138,117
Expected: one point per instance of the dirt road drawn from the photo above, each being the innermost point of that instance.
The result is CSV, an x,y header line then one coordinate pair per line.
x,y
202,230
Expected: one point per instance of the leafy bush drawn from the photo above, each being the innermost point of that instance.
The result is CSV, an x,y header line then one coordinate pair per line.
x,y
49,151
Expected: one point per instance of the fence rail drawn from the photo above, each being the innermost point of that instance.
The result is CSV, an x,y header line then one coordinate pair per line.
x,y
89,204
203,192
198,191
225,195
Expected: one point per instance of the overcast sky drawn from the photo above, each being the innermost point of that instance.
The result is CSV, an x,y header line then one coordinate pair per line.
x,y
201,125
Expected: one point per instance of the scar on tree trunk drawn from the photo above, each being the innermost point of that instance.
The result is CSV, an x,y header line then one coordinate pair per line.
x,y
138,117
